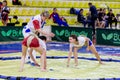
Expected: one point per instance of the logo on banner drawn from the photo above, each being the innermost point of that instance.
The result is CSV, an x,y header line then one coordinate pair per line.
x,y
113,37
107,37
67,33
12,33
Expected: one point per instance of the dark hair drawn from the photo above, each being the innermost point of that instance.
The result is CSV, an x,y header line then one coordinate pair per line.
x,y
45,14
15,17
89,3
54,8
5,1
81,9
101,9
74,37
0,3
43,38
110,10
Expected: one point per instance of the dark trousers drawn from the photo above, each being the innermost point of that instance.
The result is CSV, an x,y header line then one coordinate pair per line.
x,y
60,23
85,22
93,18
112,21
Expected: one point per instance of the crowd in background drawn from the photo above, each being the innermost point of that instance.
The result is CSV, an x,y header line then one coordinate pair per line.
x,y
4,11
94,17
102,19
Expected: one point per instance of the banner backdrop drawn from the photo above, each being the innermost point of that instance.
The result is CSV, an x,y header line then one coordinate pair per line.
x,y
108,37
9,33
62,33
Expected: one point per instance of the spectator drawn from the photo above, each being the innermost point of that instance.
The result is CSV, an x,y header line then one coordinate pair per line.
x,y
101,18
111,18
74,11
56,18
82,19
93,11
5,12
105,17
16,19
16,2
88,17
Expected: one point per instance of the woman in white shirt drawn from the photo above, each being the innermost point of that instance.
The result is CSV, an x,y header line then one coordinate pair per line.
x,y
34,26
78,42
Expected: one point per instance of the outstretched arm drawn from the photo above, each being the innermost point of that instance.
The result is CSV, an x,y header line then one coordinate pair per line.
x,y
51,15
37,27
45,33
33,59
75,56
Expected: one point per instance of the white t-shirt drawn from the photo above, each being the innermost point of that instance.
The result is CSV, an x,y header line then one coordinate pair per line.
x,y
32,29
30,23
29,28
81,42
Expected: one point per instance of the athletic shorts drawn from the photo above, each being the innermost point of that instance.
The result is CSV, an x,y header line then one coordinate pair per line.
x,y
90,42
34,42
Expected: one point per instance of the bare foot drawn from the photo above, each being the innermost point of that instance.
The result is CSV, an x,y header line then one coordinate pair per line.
x,y
43,70
36,64
101,63
21,70
67,65
76,65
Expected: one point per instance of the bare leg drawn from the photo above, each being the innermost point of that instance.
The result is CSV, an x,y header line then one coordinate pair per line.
x,y
69,57
102,24
93,49
32,58
24,49
75,56
43,58
27,55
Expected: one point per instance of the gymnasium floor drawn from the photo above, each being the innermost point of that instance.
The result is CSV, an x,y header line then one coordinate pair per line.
x,y
88,67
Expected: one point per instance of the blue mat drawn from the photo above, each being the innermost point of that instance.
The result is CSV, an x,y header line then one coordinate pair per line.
x,y
16,47
63,57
